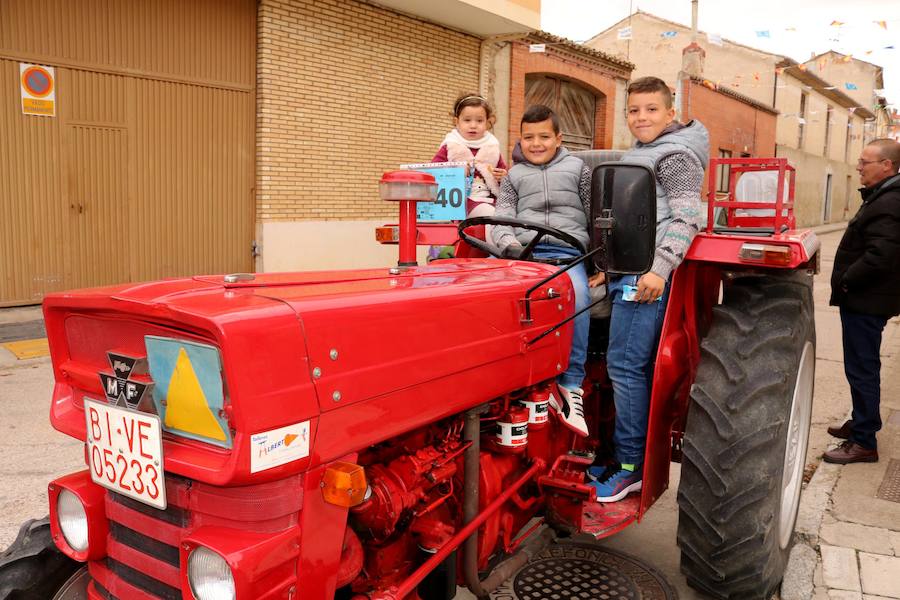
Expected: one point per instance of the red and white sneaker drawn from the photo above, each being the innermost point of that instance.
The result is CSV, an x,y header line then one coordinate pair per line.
x,y
569,404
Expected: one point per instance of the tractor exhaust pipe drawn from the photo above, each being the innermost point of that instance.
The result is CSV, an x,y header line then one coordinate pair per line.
x,y
471,491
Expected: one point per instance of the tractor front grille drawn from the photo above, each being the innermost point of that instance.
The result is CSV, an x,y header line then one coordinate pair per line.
x,y
143,546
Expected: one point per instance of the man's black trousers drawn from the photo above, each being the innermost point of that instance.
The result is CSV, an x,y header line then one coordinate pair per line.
x,y
862,365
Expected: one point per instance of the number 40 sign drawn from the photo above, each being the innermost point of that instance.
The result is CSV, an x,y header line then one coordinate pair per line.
x,y
450,204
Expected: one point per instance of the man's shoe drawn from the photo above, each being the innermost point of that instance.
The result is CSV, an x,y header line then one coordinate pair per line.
x,y
570,406
615,483
850,452
843,432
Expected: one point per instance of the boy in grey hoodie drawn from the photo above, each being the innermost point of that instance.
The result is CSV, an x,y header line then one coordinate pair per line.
x,y
551,187
677,154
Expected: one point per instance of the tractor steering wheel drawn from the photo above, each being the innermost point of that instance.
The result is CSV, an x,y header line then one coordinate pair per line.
x,y
540,230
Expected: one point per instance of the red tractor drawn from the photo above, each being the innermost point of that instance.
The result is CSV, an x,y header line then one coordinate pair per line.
x,y
385,433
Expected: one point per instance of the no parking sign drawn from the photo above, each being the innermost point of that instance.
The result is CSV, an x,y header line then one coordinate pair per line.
x,y
38,85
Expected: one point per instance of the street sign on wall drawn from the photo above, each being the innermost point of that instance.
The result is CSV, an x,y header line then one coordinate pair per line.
x,y
38,85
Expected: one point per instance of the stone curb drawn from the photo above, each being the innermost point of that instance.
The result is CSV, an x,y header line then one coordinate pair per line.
x,y
814,499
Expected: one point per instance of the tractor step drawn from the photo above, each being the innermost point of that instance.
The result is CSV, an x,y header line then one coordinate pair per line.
x,y
572,504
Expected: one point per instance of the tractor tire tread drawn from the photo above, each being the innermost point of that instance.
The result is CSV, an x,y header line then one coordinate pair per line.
x,y
734,440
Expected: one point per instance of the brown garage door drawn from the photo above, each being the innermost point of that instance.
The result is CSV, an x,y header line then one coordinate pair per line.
x,y
147,169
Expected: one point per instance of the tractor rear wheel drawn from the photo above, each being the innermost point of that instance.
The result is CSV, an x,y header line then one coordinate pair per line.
x,y
746,437
32,568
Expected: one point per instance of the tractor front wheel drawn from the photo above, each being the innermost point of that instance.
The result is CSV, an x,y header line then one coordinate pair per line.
x,y
32,568
746,437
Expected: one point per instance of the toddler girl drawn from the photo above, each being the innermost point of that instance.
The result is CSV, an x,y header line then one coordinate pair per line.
x,y
471,142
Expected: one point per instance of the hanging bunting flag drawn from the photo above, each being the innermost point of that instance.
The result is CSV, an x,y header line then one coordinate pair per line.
x,y
714,38
709,84
850,86
837,23
882,24
625,33
852,109
801,66
668,34
764,33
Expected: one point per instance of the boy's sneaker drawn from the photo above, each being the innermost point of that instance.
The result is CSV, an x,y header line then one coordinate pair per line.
x,y
570,406
614,483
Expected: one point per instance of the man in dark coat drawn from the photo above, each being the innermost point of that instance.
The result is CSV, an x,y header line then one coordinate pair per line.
x,y
865,284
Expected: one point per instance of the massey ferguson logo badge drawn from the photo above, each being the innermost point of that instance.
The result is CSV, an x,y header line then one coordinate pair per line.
x,y
118,386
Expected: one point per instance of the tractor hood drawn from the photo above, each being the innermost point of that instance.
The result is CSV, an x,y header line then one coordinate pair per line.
x,y
359,356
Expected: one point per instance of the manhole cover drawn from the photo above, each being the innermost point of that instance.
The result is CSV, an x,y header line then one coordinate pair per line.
x,y
584,571
890,485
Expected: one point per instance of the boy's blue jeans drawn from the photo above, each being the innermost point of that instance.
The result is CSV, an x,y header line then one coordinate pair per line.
x,y
633,338
573,376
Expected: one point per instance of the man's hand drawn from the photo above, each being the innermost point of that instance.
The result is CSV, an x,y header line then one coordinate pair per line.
x,y
598,279
513,251
649,287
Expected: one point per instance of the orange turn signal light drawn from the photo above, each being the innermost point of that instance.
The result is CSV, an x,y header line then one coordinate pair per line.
x,y
344,484
770,254
387,235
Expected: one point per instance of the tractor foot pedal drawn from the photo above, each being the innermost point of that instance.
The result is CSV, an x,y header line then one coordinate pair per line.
x,y
604,519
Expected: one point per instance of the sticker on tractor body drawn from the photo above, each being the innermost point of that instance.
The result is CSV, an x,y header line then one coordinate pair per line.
x,y
279,446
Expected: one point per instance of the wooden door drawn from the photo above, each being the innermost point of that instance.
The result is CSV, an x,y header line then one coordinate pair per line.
x,y
574,105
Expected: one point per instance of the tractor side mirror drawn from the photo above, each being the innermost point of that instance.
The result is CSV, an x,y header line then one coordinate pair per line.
x,y
623,216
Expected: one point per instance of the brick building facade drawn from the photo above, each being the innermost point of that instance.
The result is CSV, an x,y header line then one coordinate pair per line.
x,y
346,90
600,74
749,129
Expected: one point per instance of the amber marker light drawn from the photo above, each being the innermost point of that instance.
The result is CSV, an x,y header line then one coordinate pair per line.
x,y
387,234
768,254
344,484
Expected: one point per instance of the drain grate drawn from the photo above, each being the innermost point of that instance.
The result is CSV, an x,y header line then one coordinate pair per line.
x,y
27,330
584,571
890,485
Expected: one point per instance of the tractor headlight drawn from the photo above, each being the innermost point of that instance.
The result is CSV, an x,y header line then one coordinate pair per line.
x,y
209,575
72,520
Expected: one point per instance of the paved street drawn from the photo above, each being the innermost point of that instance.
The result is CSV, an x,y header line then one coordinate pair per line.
x,y
855,534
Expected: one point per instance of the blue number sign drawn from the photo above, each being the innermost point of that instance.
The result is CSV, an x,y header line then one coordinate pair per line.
x,y
450,204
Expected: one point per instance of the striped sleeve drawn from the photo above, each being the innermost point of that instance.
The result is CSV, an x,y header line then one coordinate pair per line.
x,y
681,177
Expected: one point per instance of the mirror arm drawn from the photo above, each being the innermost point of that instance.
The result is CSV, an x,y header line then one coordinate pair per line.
x,y
532,289
564,321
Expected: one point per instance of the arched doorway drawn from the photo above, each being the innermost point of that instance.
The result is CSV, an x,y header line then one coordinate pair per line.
x,y
574,104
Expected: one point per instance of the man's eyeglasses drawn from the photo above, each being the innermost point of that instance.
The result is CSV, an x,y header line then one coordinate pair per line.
x,y
862,163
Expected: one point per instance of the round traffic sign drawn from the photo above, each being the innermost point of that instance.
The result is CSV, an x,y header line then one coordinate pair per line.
x,y
37,81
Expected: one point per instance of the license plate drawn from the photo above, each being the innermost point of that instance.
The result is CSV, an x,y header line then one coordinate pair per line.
x,y
125,452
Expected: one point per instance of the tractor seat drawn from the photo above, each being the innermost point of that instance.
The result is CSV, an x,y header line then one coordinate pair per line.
x,y
593,158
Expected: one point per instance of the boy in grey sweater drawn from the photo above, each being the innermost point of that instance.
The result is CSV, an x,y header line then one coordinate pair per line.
x,y
677,154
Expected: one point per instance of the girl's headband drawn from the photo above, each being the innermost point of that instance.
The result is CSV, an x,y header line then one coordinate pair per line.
x,y
461,100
